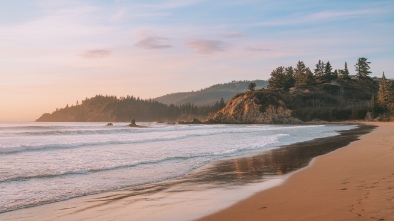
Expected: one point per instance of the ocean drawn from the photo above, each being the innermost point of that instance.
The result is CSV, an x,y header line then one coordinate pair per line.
x,y
41,163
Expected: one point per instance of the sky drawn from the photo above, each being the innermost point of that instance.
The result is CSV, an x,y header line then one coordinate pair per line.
x,y
58,52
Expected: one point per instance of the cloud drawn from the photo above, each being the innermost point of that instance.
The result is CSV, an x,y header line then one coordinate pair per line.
x,y
93,54
152,42
234,35
207,46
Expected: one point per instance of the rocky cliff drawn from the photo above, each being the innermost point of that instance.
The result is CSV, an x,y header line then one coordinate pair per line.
x,y
337,100
256,107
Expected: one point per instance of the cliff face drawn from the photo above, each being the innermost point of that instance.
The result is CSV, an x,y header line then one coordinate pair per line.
x,y
334,101
255,107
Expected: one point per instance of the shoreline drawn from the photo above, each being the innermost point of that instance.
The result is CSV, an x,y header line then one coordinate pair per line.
x,y
248,170
351,183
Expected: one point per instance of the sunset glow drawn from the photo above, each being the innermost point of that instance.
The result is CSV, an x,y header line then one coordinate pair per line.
x,y
59,52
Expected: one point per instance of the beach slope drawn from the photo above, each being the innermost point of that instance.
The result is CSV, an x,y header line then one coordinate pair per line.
x,y
352,183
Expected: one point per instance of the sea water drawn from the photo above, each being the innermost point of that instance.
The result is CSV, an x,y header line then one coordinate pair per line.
x,y
42,163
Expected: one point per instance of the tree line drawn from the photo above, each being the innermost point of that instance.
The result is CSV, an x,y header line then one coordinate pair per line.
x,y
345,94
124,109
284,78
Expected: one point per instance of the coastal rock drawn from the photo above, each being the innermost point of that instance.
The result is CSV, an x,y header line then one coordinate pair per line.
x,y
133,124
194,121
255,107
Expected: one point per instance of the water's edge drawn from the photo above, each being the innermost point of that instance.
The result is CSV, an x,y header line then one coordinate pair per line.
x,y
302,158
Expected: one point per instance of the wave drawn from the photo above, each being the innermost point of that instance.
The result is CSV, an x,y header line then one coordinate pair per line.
x,y
27,203
88,130
118,130
210,156
152,138
84,172
77,132
29,127
91,130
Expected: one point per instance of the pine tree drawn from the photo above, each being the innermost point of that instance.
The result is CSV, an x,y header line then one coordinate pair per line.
x,y
310,79
278,79
344,74
282,78
300,73
385,97
385,93
362,68
327,73
319,70
251,86
289,78
328,68
346,70
335,74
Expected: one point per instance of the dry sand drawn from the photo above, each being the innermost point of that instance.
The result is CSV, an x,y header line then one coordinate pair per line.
x,y
353,183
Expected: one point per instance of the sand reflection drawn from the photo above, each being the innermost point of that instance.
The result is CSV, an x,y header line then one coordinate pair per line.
x,y
274,162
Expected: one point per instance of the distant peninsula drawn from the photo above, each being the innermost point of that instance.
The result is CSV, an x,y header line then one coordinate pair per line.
x,y
183,106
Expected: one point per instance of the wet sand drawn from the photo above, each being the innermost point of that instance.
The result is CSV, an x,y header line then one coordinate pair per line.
x,y
351,183
208,189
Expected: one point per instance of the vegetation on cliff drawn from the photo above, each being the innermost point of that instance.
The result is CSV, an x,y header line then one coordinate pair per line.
x,y
298,94
382,104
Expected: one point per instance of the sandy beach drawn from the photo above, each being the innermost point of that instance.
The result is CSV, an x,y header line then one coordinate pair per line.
x,y
351,183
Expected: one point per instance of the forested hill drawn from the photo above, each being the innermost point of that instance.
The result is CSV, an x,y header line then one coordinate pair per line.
x,y
112,109
210,95
296,95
